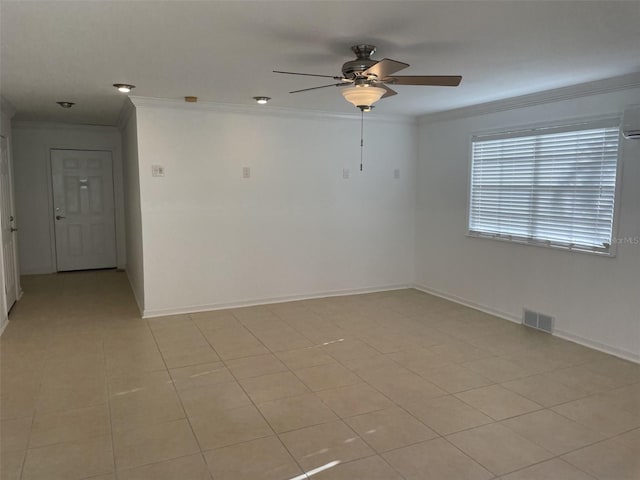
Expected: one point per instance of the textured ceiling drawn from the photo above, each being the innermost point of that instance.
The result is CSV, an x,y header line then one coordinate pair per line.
x,y
225,51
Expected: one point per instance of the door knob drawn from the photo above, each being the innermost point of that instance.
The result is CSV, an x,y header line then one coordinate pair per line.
x,y
11,229
60,217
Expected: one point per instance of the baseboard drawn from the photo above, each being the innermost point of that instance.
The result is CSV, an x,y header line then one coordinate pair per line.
x,y
6,324
36,271
467,303
135,295
595,345
270,300
602,347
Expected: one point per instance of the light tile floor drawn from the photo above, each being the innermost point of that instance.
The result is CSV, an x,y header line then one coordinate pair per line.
x,y
394,385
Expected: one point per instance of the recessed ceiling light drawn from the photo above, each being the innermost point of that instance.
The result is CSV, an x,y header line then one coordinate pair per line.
x,y
66,104
262,100
124,87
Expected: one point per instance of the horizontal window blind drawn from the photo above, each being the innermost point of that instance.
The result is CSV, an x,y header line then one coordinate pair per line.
x,y
554,187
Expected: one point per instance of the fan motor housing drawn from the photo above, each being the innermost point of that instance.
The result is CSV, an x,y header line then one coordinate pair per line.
x,y
353,68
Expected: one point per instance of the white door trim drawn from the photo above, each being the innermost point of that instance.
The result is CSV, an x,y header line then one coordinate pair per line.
x,y
111,194
52,225
16,273
117,179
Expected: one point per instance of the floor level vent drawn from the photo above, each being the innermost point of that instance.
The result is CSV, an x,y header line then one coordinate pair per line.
x,y
537,320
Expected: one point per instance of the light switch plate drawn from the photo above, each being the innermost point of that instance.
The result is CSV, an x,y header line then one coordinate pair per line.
x,y
396,173
345,173
246,172
157,171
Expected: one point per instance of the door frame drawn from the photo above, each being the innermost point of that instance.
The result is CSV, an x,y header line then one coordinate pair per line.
x,y
64,136
52,223
12,207
118,186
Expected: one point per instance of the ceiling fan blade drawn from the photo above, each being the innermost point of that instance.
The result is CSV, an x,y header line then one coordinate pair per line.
x,y
308,75
385,67
323,86
435,80
390,92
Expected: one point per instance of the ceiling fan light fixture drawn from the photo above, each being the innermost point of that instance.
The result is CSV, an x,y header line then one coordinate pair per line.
x,y
124,87
66,104
262,100
362,96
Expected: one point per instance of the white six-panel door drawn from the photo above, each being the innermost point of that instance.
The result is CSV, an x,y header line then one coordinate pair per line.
x,y
83,209
7,225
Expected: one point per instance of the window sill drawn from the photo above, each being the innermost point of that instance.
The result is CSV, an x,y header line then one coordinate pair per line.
x,y
611,253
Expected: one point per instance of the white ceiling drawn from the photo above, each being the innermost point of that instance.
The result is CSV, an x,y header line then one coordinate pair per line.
x,y
225,51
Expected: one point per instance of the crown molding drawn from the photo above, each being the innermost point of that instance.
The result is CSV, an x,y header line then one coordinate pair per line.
x,y
125,114
265,110
25,124
613,84
7,107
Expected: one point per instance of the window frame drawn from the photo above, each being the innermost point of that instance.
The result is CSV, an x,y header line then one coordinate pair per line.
x,y
582,123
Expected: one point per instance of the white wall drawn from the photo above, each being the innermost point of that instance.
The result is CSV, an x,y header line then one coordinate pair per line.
x,y
595,300
31,145
295,228
133,217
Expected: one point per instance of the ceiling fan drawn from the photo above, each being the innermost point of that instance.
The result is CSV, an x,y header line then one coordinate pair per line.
x,y
366,80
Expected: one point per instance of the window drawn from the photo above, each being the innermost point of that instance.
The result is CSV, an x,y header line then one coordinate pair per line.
x,y
551,186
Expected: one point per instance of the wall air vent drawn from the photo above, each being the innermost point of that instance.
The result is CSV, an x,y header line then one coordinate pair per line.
x,y
537,320
630,123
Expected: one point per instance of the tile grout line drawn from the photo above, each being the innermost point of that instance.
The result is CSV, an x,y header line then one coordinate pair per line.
x,y
165,421
184,411
398,406
274,354
34,412
379,322
107,386
341,419
255,406
439,435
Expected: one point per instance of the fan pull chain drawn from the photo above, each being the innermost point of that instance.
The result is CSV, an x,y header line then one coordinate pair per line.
x,y
361,135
